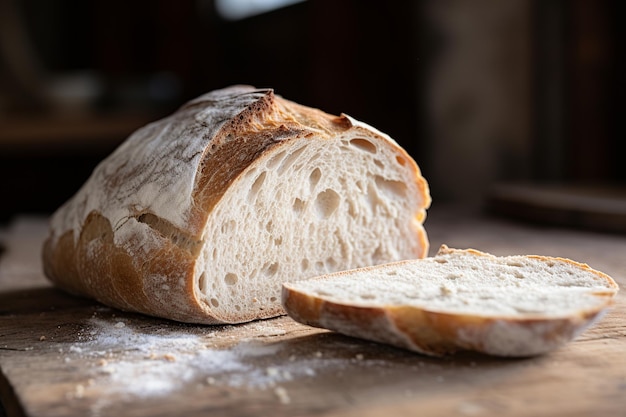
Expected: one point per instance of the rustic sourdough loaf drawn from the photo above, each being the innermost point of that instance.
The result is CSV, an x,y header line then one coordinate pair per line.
x,y
200,216
457,300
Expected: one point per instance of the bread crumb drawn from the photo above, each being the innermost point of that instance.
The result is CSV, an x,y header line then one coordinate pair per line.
x,y
79,391
359,356
282,395
210,380
169,357
42,338
271,371
76,349
119,325
103,362
318,354
108,370
469,409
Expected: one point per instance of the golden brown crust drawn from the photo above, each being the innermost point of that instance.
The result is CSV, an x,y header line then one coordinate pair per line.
x,y
110,275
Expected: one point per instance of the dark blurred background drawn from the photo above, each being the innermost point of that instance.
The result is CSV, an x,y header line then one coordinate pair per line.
x,y
483,94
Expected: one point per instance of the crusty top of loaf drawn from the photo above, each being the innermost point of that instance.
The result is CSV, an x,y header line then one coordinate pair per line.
x,y
162,175
124,186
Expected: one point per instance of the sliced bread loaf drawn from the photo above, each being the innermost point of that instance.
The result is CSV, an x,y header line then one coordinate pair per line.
x,y
201,216
457,300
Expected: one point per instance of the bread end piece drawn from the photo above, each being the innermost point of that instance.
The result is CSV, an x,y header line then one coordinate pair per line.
x,y
432,330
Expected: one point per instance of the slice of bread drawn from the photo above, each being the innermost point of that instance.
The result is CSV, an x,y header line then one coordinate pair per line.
x,y
201,216
458,300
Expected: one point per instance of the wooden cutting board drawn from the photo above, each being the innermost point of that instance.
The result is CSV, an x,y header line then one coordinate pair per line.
x,y
65,356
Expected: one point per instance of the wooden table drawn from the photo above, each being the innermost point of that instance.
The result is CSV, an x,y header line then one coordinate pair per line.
x,y
65,356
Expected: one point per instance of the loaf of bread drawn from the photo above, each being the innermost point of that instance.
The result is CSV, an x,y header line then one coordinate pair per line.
x,y
200,217
458,300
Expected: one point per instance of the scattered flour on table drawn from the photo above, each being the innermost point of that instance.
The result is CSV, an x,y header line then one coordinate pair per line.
x,y
132,363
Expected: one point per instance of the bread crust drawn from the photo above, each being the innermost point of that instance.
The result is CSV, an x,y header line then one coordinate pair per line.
x,y
131,236
438,333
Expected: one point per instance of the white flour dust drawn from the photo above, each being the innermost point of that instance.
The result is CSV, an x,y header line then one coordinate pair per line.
x,y
134,363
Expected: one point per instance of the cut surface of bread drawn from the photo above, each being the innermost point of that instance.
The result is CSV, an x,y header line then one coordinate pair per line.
x,y
200,216
457,300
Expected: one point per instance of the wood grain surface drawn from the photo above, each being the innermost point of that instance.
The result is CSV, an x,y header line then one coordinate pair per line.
x,y
66,356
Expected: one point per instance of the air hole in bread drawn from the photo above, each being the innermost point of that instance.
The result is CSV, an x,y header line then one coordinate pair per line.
x,y
514,263
314,178
319,265
278,241
322,293
202,281
272,299
391,273
518,275
401,160
368,296
290,159
330,263
453,276
269,226
275,160
352,211
377,256
215,302
304,265
364,145
256,186
391,188
326,203
441,261
372,197
270,270
231,279
237,307
298,205
379,164
229,226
